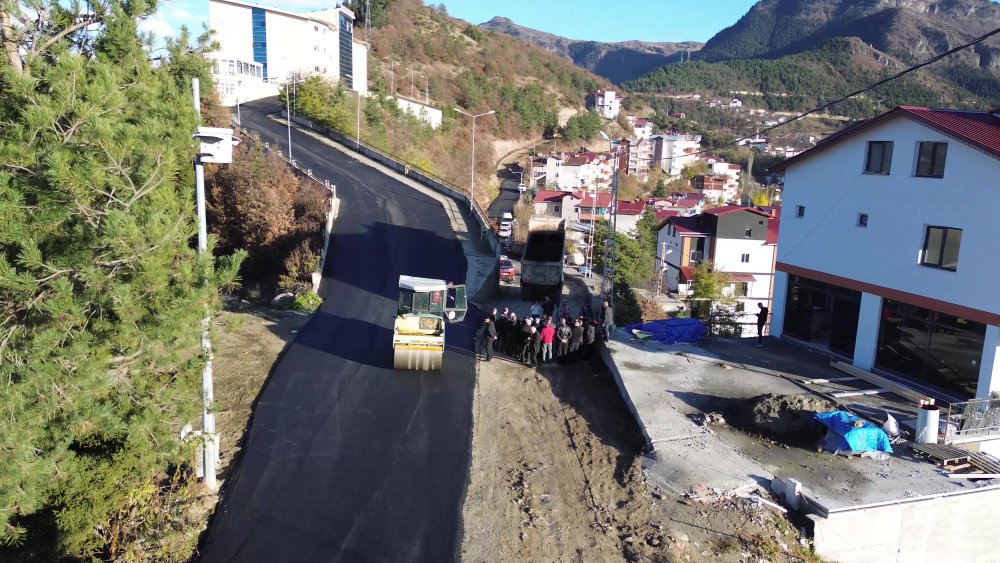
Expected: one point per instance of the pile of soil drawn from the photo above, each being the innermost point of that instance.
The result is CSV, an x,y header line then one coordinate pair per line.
x,y
786,417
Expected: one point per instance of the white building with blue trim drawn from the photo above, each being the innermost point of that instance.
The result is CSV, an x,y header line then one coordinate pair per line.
x,y
261,48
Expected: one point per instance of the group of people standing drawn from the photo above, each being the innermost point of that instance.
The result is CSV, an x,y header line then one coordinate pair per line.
x,y
541,338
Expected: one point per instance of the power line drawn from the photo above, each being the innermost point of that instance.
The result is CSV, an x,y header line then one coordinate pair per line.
x,y
846,97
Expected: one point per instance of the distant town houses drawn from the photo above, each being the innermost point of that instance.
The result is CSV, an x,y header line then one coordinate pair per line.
x,y
888,251
607,103
572,171
740,241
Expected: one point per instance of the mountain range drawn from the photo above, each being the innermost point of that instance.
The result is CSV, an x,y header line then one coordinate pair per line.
x,y
615,61
811,51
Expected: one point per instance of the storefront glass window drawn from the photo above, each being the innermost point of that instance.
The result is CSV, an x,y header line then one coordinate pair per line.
x,y
942,350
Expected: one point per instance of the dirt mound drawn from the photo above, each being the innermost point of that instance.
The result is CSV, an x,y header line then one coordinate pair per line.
x,y
788,417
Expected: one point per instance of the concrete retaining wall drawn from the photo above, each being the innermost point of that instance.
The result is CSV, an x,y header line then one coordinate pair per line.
x,y
961,527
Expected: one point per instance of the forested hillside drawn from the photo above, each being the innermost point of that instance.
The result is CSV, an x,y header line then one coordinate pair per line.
x,y
807,79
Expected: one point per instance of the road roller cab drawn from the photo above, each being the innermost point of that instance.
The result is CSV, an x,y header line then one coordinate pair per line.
x,y
425,307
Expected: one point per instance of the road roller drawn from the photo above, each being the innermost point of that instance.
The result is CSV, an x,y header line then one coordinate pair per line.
x,y
426,306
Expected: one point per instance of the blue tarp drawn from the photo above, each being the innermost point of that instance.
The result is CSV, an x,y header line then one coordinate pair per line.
x,y
672,331
845,437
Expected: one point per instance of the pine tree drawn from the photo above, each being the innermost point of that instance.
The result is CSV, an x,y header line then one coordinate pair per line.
x,y
101,291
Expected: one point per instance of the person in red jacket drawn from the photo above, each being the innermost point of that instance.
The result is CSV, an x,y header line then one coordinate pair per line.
x,y
548,336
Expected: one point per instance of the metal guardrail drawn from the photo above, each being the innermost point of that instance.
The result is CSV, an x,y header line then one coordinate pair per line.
x,y
975,419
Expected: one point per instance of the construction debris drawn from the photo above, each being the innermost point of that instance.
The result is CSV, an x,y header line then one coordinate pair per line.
x,y
709,419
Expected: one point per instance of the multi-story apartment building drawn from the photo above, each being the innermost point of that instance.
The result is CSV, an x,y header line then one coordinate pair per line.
x,y
261,48
740,241
888,254
675,151
607,103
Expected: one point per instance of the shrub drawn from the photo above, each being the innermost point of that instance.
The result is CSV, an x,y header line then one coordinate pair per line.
x,y
308,301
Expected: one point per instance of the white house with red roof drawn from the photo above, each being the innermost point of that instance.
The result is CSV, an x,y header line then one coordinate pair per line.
x,y
740,241
677,150
641,127
551,203
628,215
889,255
594,206
607,103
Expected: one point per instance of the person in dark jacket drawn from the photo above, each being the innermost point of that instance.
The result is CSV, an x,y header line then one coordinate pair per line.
x,y
526,345
536,346
576,340
589,336
501,325
563,334
513,339
548,307
489,337
607,321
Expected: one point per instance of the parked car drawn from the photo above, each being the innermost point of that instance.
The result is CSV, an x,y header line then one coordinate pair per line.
x,y
507,271
522,188
507,218
505,230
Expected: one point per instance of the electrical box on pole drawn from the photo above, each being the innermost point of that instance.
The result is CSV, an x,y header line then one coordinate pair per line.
x,y
216,144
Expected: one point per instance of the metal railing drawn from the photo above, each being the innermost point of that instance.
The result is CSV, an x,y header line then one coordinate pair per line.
x,y
971,420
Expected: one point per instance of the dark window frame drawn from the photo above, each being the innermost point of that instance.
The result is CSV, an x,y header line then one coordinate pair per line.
x,y
863,220
800,210
939,261
884,165
937,155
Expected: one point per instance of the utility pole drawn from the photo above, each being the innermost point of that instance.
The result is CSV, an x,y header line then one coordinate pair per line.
x,y
662,268
358,131
427,92
411,83
392,78
210,448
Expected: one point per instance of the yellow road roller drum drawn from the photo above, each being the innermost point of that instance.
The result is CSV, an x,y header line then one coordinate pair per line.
x,y
425,307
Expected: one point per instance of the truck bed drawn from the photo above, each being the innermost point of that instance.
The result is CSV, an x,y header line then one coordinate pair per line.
x,y
544,246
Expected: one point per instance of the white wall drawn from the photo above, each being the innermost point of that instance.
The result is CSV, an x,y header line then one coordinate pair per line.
x,y
428,114
232,27
359,67
956,528
833,188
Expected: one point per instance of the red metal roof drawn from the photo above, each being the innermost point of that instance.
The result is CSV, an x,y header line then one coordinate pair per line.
x,y
979,129
603,200
773,225
551,196
662,214
690,226
725,209
631,207
740,277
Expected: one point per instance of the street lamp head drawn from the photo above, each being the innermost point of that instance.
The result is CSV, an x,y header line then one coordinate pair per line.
x,y
489,112
605,135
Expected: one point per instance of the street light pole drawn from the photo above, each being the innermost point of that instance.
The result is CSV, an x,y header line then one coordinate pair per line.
x,y
427,94
209,450
472,176
288,112
359,123
238,120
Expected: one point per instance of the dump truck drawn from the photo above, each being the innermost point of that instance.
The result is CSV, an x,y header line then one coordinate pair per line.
x,y
425,307
542,262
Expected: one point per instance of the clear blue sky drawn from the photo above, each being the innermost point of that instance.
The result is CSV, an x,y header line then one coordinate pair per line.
x,y
645,20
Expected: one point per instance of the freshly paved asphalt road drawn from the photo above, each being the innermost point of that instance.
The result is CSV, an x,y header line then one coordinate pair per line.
x,y
504,203
347,459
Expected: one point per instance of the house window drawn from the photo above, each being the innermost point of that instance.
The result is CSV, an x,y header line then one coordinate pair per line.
x,y
930,160
941,246
741,289
800,210
879,157
747,232
862,219
740,306
745,258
